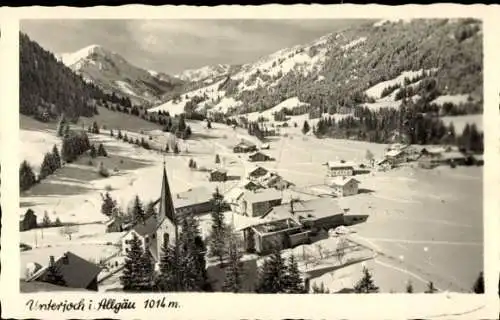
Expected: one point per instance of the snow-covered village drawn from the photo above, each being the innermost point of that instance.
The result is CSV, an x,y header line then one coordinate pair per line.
x,y
258,157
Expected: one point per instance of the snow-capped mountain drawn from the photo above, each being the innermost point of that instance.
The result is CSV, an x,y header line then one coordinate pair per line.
x,y
367,64
113,73
204,73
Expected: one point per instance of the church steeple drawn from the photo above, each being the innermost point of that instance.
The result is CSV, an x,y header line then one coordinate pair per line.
x,y
166,204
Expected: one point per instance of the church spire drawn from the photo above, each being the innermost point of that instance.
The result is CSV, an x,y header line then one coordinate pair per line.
x,y
166,204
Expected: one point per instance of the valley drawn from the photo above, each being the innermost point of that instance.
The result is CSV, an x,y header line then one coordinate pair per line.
x,y
403,127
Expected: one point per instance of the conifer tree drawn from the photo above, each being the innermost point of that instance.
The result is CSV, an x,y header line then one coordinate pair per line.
x,y
219,229
479,284
217,159
46,168
111,133
135,271
120,135
147,267
320,289
101,152
67,150
306,128
108,204
430,288
54,276
58,222
56,158
95,128
366,284
150,209
61,126
167,149
46,220
168,280
66,130
138,210
26,176
93,152
176,148
192,262
294,283
234,269
273,274
409,287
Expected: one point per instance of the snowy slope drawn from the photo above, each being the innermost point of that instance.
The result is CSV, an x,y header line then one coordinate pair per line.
x,y
192,75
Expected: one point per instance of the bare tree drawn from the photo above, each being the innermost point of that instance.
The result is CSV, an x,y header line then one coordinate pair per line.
x,y
68,231
342,245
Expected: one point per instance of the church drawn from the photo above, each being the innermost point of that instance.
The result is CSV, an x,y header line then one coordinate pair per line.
x,y
159,229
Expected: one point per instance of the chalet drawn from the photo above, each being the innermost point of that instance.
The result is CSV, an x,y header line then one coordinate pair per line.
x,y
27,221
75,271
251,185
145,232
259,156
258,203
257,172
263,237
396,157
277,182
244,147
219,175
344,186
431,158
340,168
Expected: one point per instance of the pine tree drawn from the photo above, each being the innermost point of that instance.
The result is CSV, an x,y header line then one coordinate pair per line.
x,y
273,274
430,288
95,128
150,209
409,287
479,284
67,150
61,126
46,168
146,264
26,176
66,130
135,272
294,283
111,133
168,280
58,222
219,229
320,289
234,270
93,152
306,128
167,149
108,204
54,276
101,152
217,159
120,136
176,148
46,220
366,284
138,211
192,262
56,158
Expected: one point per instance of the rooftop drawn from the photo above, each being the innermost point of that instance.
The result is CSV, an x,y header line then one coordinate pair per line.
x,y
393,153
192,196
220,170
275,226
340,164
309,209
262,195
341,181
147,227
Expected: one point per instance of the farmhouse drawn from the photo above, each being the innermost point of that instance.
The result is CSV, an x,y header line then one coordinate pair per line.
x,y
244,146
284,233
340,168
251,185
316,214
258,203
259,156
277,182
431,158
219,175
396,157
75,271
344,186
27,221
257,172
145,231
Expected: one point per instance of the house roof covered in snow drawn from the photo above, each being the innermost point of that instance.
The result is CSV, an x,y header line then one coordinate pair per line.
x,y
219,170
309,209
262,195
192,197
76,272
393,153
342,181
234,194
340,164
256,169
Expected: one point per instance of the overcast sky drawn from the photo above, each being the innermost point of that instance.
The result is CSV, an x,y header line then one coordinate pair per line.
x,y
174,45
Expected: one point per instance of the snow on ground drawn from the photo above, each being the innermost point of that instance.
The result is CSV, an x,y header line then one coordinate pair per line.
x,y
125,87
39,142
459,122
376,91
386,21
225,104
178,107
455,99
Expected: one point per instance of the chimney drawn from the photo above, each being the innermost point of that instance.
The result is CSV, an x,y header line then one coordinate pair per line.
x,y
51,260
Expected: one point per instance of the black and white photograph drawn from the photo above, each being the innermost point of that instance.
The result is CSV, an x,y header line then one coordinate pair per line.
x,y
251,155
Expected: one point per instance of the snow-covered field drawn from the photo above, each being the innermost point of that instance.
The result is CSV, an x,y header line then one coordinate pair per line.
x,y
428,217
376,91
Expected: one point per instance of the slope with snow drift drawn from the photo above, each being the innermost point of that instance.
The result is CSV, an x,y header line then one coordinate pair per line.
x,y
113,73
